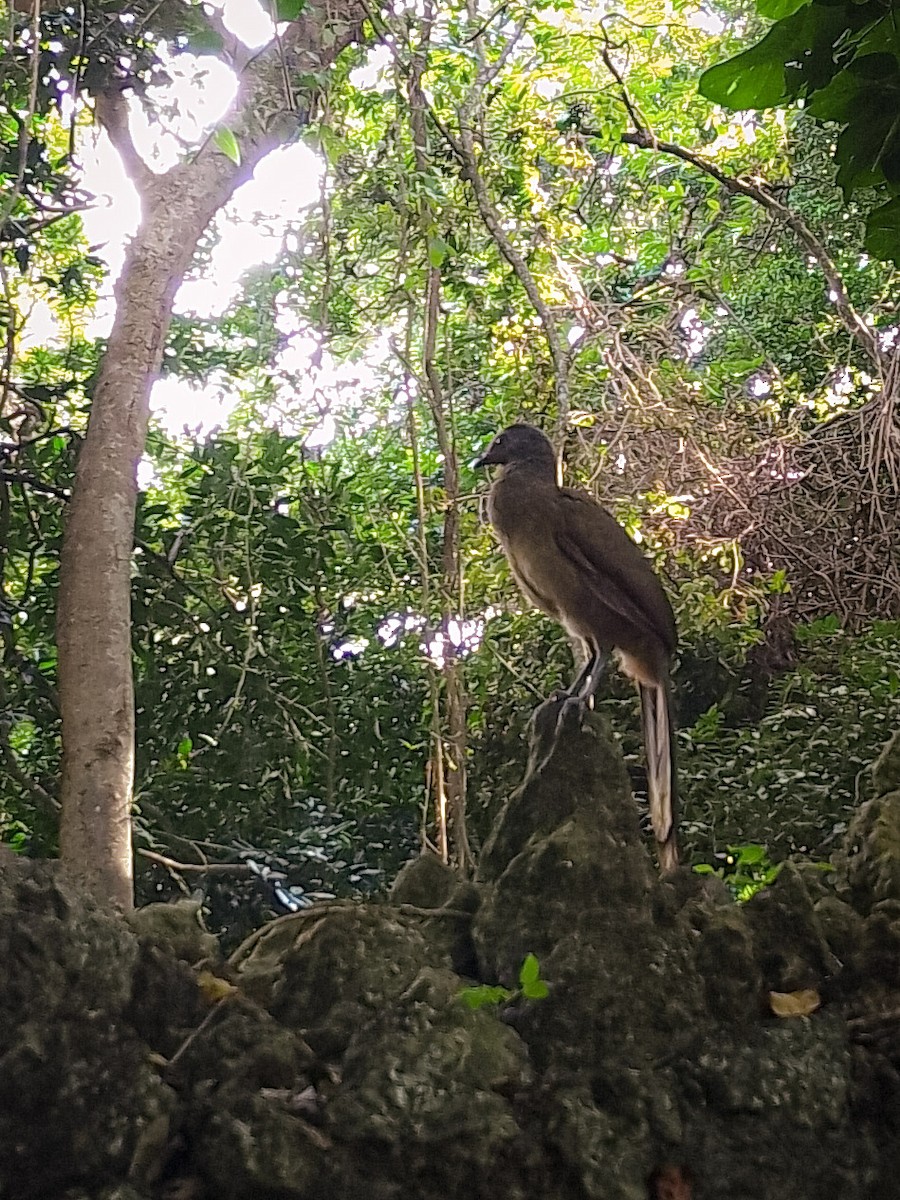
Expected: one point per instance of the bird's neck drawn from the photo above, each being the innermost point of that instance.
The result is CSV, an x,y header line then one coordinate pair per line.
x,y
521,492
532,472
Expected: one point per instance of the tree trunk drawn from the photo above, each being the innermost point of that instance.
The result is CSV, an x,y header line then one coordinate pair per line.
x,y
94,617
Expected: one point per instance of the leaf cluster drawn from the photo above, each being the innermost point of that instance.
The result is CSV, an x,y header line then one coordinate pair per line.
x,y
843,60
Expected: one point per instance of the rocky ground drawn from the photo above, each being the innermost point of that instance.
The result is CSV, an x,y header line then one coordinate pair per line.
x,y
335,1056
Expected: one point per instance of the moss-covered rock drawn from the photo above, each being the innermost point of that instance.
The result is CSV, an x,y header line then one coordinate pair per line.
x,y
334,1057
788,941
79,1099
886,771
868,866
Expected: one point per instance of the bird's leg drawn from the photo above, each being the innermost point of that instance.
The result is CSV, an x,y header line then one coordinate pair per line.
x,y
588,681
582,678
581,693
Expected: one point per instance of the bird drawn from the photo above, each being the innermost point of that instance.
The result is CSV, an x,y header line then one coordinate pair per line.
x,y
576,563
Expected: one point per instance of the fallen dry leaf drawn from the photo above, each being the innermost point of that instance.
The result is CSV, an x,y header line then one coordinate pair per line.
x,y
794,1004
214,988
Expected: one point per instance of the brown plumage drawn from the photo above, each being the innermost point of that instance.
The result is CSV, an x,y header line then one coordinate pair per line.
x,y
578,565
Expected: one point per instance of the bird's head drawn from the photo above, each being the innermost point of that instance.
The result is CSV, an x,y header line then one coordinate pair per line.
x,y
518,444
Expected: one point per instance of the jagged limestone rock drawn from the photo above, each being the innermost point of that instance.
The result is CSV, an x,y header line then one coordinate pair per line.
x,y
338,1059
868,866
78,1098
428,1083
886,771
254,1104
726,962
425,882
788,941
177,928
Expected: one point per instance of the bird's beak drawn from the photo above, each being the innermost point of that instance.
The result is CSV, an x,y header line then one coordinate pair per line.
x,y
483,459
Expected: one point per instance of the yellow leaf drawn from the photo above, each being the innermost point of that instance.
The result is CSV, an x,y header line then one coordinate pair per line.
x,y
213,988
795,1004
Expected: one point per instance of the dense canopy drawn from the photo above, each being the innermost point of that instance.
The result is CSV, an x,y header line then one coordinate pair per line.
x,y
475,215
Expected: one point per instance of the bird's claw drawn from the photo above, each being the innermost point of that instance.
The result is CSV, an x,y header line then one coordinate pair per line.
x,y
570,706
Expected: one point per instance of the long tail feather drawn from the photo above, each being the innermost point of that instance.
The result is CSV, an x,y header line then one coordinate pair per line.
x,y
662,782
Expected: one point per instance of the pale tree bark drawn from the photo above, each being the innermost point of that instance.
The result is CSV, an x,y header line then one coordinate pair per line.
x,y
94,614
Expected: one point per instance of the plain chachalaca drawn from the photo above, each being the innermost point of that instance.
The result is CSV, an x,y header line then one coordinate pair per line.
x,y
578,565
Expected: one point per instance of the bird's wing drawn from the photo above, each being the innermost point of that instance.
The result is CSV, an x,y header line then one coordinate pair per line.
x,y
601,549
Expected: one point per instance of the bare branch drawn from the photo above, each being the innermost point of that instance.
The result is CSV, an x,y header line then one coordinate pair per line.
x,y
112,113
853,322
196,868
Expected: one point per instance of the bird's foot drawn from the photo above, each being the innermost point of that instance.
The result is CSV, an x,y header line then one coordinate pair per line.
x,y
572,709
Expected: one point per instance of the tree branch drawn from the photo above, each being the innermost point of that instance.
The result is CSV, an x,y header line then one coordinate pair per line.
x,y
852,321
170,864
643,137
111,109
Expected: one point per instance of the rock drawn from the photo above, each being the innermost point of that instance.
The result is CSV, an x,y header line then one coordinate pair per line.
x,y
428,1084
726,962
335,1058
254,1106
881,943
886,771
79,1099
842,929
575,771
868,866
307,964
177,928
425,882
788,941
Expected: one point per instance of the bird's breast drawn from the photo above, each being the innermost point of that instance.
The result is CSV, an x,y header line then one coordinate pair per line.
x,y
520,515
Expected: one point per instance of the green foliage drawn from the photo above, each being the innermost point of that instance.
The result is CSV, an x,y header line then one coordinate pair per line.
x,y
844,60
745,869
228,144
792,781
285,597
531,987
483,994
530,982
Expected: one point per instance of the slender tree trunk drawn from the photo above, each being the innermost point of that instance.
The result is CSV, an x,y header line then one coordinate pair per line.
x,y
451,744
94,615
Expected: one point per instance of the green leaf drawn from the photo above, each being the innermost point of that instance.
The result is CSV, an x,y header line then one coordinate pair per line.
x,y
879,65
536,991
437,251
795,57
775,10
749,81
867,149
289,10
185,746
484,994
749,855
227,143
883,232
752,79
530,971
